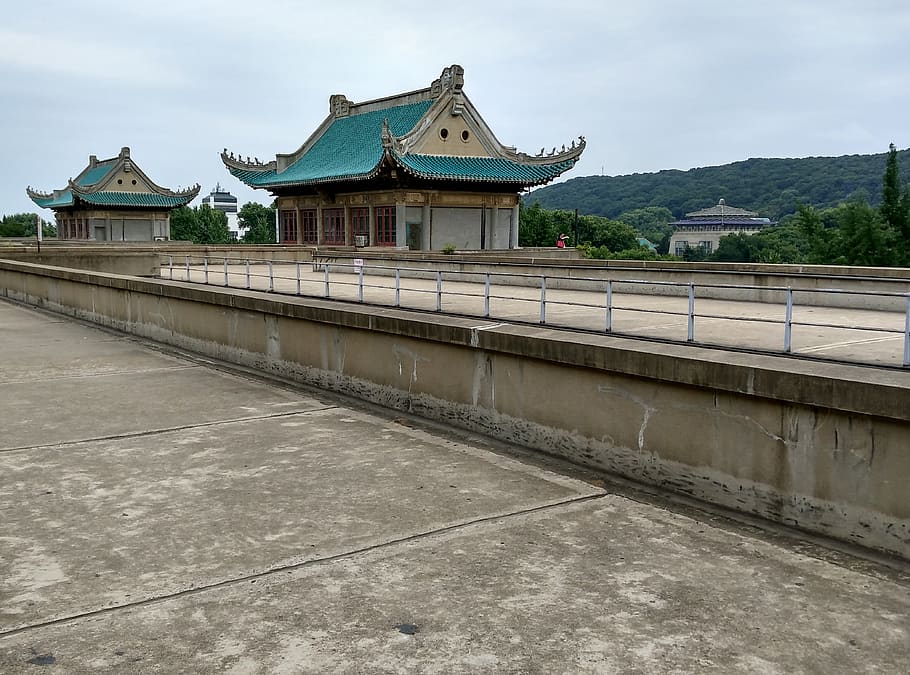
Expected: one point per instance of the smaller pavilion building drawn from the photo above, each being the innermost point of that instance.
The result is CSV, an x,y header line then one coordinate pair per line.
x,y
113,200
703,229
419,169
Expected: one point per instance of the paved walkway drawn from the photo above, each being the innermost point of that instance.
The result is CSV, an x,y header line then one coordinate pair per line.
x,y
161,513
873,337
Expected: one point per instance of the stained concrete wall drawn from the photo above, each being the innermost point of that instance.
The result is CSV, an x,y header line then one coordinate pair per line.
x,y
823,447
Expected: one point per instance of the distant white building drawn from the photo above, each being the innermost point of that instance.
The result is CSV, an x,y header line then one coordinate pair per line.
x,y
222,200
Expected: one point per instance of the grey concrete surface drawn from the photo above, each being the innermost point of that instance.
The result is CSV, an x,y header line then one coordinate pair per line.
x,y
165,514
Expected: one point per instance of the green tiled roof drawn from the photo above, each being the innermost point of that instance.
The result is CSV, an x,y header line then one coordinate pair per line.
x,y
140,199
482,168
96,174
135,199
51,202
350,148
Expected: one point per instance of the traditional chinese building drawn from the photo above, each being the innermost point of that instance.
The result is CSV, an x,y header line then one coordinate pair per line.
x,y
703,229
113,200
420,169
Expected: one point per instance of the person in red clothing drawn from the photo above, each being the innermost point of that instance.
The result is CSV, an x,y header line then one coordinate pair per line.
x,y
561,241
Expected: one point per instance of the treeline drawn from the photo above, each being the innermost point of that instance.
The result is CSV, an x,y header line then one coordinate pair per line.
x,y
854,232
205,225
772,187
25,225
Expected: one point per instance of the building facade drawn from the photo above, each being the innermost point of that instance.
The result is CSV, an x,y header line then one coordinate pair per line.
x,y
113,200
420,170
224,201
703,229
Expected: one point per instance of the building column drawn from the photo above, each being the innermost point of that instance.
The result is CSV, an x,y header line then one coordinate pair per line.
x,y
371,217
426,241
320,226
348,226
299,224
494,227
513,229
401,227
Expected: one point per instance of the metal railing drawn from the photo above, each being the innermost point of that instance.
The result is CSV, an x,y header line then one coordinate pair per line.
x,y
554,302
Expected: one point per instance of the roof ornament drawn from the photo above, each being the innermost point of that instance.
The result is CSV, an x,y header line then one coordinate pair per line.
x,y
451,79
386,135
339,105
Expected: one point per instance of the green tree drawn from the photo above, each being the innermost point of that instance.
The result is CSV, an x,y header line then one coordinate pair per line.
x,y
200,225
864,239
258,223
650,222
184,224
25,225
536,226
213,226
895,208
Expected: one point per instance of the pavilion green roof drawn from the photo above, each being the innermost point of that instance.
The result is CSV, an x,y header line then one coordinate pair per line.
x,y
351,147
96,174
493,169
130,199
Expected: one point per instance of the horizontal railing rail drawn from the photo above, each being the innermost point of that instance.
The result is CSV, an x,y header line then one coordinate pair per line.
x,y
554,302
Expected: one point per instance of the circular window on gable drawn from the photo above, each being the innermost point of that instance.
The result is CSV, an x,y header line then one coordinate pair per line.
x,y
465,135
134,181
119,181
443,133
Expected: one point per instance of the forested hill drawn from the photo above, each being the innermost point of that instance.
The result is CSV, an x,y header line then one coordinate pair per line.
x,y
773,187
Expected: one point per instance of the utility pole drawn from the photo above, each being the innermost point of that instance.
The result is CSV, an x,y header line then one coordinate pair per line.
x,y
38,231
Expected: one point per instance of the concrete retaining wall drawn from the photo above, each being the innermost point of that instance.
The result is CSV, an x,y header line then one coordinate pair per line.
x,y
822,447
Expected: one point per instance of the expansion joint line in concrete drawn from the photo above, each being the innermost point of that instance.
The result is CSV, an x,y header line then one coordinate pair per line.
x,y
166,430
111,373
227,583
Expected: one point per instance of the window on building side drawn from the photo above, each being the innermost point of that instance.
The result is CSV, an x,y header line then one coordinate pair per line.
x,y
333,223
308,228
288,227
681,246
706,246
360,220
385,225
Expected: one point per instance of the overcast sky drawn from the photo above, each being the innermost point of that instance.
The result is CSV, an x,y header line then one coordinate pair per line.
x,y
651,84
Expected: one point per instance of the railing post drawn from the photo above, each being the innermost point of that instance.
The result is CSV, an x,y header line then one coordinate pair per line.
x,y
543,299
205,266
398,287
610,306
187,268
297,276
225,273
907,335
170,265
690,333
788,321
438,291
271,278
248,274
360,284
326,280
486,296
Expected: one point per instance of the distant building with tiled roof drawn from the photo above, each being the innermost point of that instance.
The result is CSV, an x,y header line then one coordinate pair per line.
x,y
113,200
703,229
420,169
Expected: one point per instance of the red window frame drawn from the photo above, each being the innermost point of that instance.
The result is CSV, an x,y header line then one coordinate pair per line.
x,y
385,226
288,227
333,226
308,227
360,222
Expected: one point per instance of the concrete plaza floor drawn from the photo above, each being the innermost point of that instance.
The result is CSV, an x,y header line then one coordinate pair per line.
x,y
163,513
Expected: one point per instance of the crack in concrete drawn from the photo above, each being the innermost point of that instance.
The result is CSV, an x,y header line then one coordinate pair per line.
x,y
165,430
226,583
